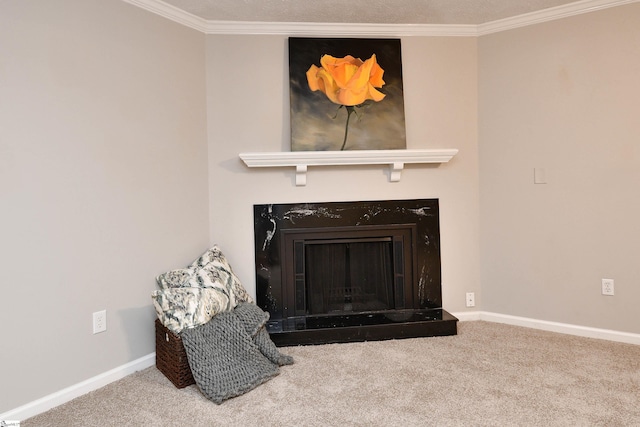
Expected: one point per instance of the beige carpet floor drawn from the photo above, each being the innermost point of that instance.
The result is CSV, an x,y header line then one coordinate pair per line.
x,y
488,375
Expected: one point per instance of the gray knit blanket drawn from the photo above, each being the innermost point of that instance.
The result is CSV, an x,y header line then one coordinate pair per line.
x,y
232,353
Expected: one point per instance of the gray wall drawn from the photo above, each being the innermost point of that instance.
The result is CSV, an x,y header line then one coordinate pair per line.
x,y
562,96
103,183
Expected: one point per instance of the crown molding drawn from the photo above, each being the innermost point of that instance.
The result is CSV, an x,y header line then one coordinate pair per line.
x,y
391,30
338,29
551,14
172,13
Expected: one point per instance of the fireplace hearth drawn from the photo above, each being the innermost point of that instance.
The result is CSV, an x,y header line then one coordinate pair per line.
x,y
350,271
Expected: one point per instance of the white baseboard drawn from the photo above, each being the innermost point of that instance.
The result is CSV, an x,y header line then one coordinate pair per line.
x,y
563,328
465,316
58,398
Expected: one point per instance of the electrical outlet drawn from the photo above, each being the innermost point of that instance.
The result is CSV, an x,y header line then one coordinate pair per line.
x,y
99,321
471,299
607,287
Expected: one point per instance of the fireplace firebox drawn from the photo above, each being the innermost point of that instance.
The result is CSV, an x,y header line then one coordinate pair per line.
x,y
350,271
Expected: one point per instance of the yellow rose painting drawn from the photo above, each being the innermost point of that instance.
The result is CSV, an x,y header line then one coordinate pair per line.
x,y
330,83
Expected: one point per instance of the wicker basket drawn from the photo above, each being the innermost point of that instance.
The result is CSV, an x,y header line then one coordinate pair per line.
x,y
171,357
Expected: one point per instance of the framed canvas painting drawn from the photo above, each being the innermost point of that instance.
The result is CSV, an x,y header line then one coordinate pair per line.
x,y
346,94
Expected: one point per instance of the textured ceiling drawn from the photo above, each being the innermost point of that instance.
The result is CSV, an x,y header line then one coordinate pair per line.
x,y
444,12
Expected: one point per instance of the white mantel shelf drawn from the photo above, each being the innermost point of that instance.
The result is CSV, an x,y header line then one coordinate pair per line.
x,y
301,160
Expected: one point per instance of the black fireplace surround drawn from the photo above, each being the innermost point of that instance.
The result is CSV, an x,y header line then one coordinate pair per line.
x,y
350,271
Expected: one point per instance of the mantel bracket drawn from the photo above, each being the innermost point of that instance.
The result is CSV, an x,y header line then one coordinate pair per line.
x,y
395,171
301,175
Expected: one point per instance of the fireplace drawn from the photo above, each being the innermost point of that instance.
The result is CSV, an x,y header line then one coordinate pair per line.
x,y
350,271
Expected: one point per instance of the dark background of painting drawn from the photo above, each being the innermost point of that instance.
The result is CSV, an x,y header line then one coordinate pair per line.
x,y
319,124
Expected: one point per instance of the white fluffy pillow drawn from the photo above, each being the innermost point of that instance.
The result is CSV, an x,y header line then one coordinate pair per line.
x,y
180,308
191,296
